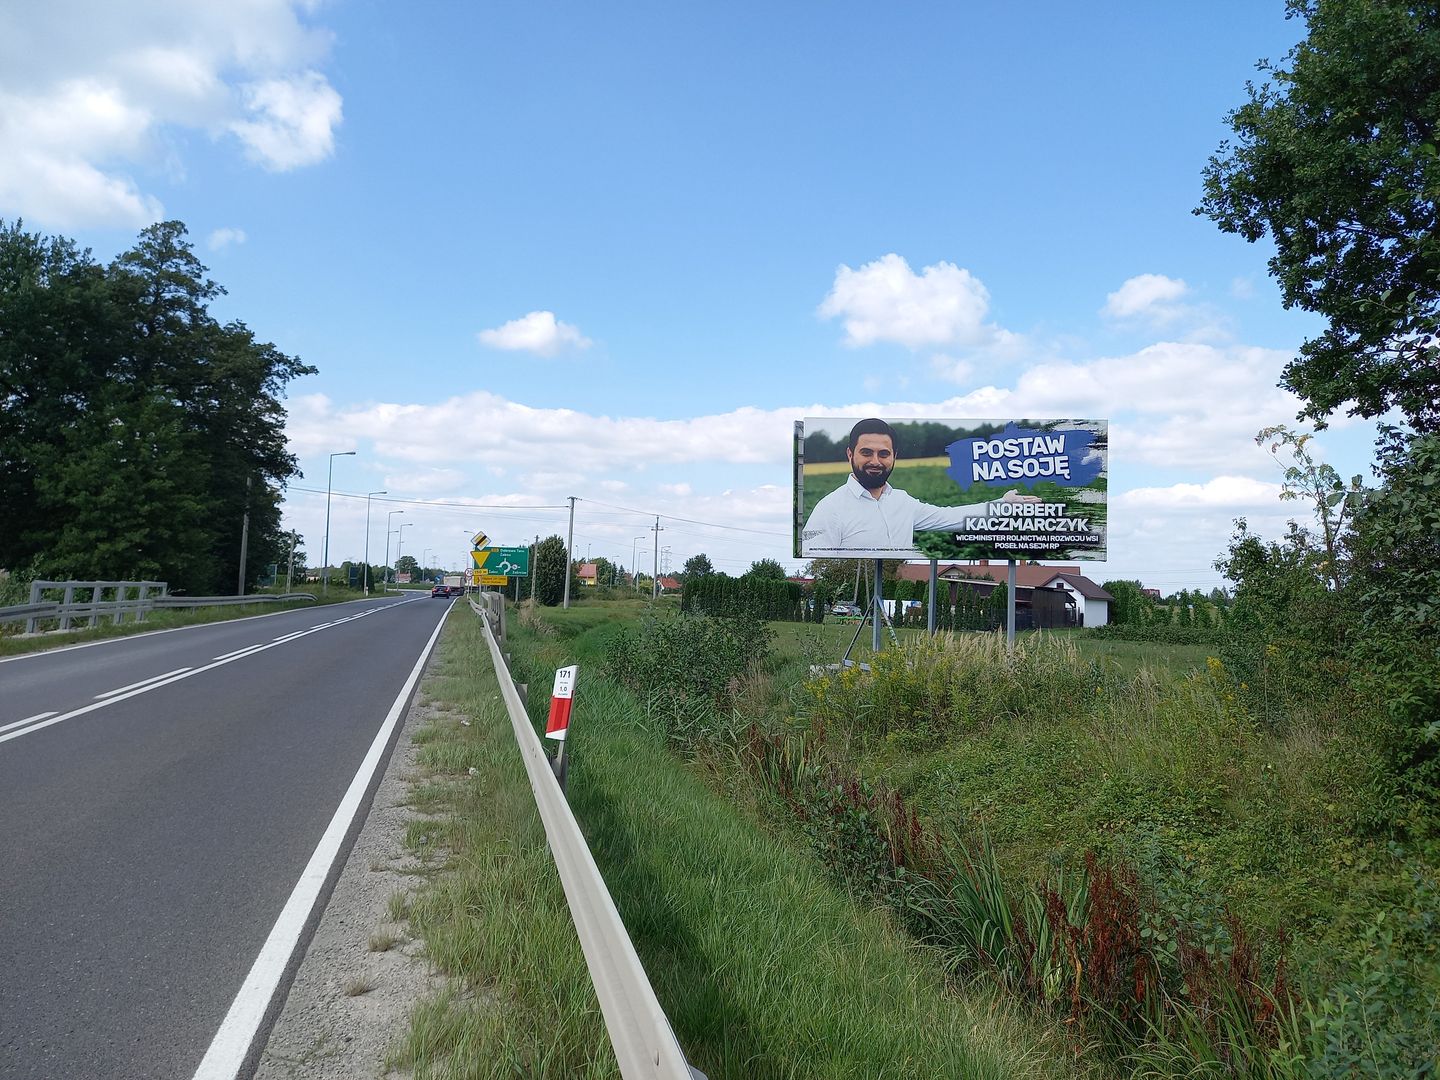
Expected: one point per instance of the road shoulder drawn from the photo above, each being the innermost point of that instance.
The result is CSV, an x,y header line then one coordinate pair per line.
x,y
362,973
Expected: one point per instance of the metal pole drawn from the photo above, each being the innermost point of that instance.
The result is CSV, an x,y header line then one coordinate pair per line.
x,y
1010,609
569,541
930,602
400,545
244,539
634,563
367,538
876,599
325,586
290,567
655,573
388,530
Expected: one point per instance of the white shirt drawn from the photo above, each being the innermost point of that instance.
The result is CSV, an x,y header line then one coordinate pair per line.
x,y
852,523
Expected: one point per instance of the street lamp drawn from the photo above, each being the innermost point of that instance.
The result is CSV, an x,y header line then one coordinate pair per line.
x,y
634,549
388,531
367,538
400,545
325,588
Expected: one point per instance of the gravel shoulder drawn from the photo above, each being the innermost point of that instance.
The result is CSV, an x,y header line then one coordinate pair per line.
x,y
362,973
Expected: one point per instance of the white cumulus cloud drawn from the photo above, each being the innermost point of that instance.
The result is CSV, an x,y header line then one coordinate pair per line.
x,y
1234,494
1150,296
885,300
223,238
539,332
91,96
292,121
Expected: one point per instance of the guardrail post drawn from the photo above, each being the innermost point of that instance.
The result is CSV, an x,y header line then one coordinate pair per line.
x,y
67,601
142,609
36,588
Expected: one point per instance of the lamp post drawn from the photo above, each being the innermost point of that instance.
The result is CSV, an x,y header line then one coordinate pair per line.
x,y
400,545
367,538
634,573
388,531
330,475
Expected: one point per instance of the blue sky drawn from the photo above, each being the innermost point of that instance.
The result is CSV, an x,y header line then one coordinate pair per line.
x,y
547,250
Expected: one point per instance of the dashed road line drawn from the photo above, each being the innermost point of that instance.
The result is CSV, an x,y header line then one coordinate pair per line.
x,y
44,720
142,682
28,719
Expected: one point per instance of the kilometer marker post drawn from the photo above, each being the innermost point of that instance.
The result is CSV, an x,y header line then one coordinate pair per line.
x,y
562,698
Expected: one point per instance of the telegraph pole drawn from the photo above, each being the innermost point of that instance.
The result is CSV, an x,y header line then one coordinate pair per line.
x,y
569,543
655,575
290,568
244,539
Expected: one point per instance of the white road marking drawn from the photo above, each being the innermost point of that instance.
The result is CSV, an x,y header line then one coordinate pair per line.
x,y
28,719
142,682
185,673
153,633
237,652
231,1045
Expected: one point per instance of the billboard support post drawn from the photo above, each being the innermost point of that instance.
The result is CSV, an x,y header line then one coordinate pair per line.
x,y
1010,608
878,598
930,601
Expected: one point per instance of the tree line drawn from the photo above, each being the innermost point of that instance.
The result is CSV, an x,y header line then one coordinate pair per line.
x,y
137,431
1334,161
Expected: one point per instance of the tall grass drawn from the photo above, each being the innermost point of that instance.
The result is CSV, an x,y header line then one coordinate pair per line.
x,y
765,969
492,914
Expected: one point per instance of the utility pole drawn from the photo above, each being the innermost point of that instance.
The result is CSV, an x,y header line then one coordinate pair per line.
x,y
244,539
367,539
655,577
569,543
290,567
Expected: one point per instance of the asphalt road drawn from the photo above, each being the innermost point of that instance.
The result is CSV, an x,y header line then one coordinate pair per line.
x,y
159,798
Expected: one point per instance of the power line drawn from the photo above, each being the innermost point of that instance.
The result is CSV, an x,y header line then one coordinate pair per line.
x,y
688,521
441,503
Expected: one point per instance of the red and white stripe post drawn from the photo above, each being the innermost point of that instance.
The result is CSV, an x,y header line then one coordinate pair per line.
x,y
562,699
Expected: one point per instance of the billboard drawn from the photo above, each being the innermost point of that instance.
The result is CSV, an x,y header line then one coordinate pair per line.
x,y
883,488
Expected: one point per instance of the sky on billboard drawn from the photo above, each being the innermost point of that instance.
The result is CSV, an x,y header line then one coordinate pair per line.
x,y
550,250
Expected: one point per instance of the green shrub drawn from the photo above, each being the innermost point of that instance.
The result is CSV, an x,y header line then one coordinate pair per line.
x,y
684,668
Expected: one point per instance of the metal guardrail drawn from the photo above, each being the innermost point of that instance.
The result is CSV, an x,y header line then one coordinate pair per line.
x,y
221,601
645,1046
147,596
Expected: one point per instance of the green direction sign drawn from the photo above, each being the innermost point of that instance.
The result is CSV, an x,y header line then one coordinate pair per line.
x,y
504,561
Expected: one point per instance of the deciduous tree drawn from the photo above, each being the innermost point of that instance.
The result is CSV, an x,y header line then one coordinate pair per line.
x,y
1335,160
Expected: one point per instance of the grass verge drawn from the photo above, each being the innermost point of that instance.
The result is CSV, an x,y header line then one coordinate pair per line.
x,y
764,967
